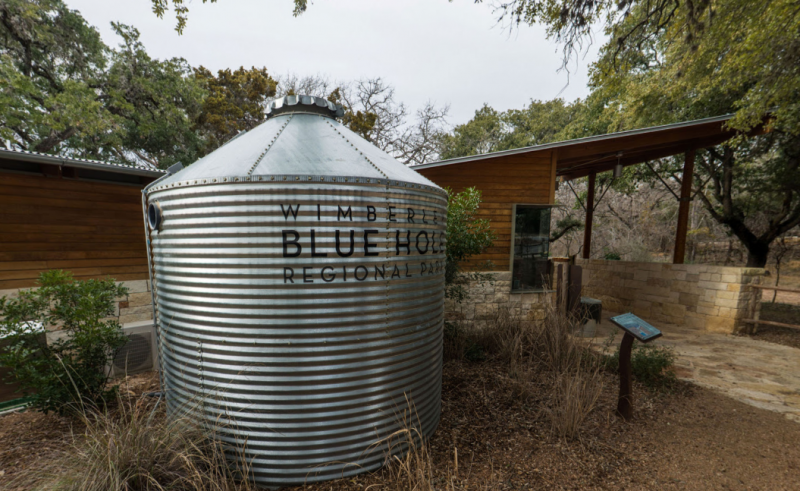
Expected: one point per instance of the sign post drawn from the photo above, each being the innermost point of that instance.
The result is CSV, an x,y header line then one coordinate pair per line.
x,y
634,328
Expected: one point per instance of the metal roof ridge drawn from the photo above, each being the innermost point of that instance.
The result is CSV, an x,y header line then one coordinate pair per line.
x,y
575,141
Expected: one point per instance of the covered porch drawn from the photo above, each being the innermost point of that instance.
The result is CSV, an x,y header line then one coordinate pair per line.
x,y
520,181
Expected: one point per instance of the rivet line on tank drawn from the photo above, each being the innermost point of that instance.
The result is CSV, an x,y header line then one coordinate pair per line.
x,y
264,153
232,179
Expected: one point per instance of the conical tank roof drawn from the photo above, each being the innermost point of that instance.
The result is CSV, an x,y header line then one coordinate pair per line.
x,y
299,138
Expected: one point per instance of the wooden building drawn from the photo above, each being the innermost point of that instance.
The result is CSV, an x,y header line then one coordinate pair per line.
x,y
516,183
77,215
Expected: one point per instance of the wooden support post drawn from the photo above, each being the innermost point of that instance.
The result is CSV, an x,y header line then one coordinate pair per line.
x,y
683,208
574,286
587,230
625,403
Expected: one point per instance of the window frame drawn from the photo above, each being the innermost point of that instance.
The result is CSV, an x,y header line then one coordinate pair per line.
x,y
513,237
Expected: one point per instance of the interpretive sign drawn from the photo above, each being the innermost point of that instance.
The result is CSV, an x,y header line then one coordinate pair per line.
x,y
640,329
635,328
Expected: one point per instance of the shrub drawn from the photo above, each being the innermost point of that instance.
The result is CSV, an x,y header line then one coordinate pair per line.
x,y
650,364
69,371
467,235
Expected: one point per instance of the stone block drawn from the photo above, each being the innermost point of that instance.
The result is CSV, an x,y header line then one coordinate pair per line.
x,y
485,311
726,295
712,285
673,310
136,286
500,297
685,287
655,299
136,317
693,277
729,278
689,300
734,287
708,311
694,321
641,275
536,315
638,285
143,309
659,282
727,303
720,324
12,293
705,276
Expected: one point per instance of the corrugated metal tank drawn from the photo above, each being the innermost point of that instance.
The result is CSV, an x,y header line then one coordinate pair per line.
x,y
299,279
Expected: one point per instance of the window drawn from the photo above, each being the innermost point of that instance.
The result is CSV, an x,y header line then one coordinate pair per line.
x,y
531,248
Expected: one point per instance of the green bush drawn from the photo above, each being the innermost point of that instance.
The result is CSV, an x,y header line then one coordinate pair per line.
x,y
70,371
467,235
651,365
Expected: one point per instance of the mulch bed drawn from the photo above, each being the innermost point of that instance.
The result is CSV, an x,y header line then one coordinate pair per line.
x,y
690,438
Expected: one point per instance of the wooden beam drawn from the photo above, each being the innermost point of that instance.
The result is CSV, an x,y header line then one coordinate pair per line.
x,y
683,209
587,230
553,169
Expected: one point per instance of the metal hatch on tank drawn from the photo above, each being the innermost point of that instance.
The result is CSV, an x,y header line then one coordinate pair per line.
x,y
298,272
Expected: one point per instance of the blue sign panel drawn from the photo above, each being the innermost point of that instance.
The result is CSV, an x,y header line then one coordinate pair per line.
x,y
640,329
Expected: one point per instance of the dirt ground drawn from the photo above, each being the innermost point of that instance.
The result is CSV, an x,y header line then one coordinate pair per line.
x,y
692,438
786,313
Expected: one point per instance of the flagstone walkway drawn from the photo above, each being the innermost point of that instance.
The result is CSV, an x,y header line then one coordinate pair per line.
x,y
762,374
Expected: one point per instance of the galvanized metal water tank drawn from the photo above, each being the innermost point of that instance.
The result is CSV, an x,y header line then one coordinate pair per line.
x,y
299,275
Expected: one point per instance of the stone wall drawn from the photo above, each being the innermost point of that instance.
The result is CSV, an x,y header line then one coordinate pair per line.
x,y
485,299
714,298
136,307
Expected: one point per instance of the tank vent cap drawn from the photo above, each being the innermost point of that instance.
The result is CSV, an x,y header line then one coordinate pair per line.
x,y
304,104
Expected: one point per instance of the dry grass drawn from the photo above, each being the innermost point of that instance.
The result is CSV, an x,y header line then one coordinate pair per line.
x,y
543,350
134,448
575,395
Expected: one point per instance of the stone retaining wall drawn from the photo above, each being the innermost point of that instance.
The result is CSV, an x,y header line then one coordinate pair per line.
x,y
485,299
714,298
136,307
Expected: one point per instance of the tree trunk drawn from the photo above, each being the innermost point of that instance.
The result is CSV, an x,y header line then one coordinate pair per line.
x,y
757,253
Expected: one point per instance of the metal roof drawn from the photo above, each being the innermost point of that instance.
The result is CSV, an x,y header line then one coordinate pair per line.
x,y
581,156
42,158
298,143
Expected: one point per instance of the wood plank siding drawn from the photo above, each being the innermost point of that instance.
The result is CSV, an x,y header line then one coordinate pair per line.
x,y
93,229
503,181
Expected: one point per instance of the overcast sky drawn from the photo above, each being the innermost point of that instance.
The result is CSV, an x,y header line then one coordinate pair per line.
x,y
449,53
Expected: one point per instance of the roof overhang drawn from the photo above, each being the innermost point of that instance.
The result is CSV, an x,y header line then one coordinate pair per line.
x,y
583,156
55,160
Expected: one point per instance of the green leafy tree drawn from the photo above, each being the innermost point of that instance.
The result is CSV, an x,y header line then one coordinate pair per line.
x,y
669,61
538,123
235,102
63,91
71,371
482,134
750,184
467,235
